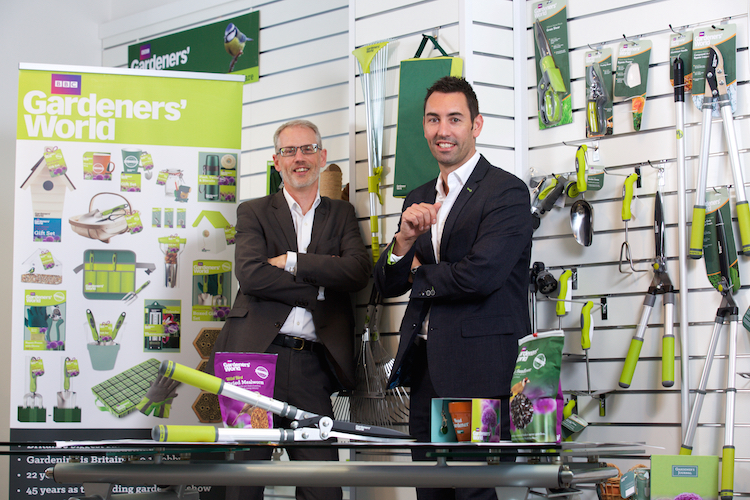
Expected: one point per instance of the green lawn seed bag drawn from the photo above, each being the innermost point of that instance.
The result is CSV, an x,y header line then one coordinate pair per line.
x,y
536,401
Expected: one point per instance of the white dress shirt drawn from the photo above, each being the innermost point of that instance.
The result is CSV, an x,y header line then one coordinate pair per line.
x,y
299,323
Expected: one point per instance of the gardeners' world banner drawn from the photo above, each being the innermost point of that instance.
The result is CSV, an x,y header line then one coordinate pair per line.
x,y
123,254
228,46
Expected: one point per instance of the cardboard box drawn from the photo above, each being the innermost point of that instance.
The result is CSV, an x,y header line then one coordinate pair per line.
x,y
673,476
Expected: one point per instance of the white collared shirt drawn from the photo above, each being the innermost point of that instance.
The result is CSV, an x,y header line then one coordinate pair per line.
x,y
299,323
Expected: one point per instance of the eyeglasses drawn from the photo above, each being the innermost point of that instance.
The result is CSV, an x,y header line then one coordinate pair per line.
x,y
307,149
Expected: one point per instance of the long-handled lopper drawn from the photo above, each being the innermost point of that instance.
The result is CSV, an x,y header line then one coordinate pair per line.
x,y
727,310
716,93
660,285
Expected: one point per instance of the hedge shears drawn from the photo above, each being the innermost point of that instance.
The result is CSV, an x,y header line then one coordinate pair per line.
x,y
660,285
716,93
550,105
306,426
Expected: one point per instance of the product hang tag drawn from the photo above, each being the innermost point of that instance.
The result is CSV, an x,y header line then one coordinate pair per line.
x,y
53,157
48,262
627,484
134,223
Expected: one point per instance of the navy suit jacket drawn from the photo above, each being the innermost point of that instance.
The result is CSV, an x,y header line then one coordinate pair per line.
x,y
477,294
336,259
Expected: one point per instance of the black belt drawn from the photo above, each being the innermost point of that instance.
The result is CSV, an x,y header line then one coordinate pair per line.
x,y
297,343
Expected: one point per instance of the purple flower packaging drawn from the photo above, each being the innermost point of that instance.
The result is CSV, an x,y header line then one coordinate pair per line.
x,y
252,371
536,401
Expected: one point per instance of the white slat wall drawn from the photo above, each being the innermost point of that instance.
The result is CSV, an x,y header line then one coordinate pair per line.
x,y
307,71
646,412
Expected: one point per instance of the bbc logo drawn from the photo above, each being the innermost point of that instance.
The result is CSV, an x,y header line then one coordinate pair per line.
x,y
66,84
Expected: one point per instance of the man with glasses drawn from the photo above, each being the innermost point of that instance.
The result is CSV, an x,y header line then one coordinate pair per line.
x,y
299,257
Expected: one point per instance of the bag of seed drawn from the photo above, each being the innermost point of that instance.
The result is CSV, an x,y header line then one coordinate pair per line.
x,y
536,401
254,372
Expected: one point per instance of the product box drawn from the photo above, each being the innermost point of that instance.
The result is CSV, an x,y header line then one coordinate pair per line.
x,y
682,477
465,420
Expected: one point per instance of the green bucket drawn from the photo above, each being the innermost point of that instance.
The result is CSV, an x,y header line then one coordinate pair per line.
x,y
103,357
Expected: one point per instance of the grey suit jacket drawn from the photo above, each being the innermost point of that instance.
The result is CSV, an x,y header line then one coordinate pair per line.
x,y
336,259
477,294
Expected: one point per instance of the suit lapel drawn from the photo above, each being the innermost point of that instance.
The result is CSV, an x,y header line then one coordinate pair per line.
x,y
319,223
463,198
284,218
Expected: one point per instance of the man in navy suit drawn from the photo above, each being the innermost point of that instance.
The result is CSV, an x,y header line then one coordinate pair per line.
x,y
462,253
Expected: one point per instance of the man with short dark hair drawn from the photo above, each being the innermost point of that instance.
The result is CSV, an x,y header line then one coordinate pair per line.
x,y
299,257
462,252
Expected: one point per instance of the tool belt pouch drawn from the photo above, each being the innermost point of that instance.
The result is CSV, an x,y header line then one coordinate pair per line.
x,y
414,164
109,274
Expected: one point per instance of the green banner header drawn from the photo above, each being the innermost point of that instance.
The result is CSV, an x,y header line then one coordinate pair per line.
x,y
129,109
228,46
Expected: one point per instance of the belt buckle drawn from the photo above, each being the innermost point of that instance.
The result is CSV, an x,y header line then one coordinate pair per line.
x,y
301,345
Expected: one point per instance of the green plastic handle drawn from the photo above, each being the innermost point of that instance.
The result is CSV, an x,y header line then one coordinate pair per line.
x,y
727,473
627,196
190,376
684,450
696,232
555,77
92,325
563,281
546,191
630,361
743,219
667,361
568,408
118,325
586,325
185,433
581,168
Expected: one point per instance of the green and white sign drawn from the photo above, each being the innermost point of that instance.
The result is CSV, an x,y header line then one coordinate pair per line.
x,y
229,46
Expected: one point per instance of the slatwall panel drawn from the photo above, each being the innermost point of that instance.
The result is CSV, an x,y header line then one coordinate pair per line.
x,y
646,412
304,73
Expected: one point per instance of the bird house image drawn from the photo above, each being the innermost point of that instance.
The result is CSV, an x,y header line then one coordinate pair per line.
x,y
47,199
210,225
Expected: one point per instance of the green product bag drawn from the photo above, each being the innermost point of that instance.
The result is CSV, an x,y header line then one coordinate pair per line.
x,y
414,163
536,403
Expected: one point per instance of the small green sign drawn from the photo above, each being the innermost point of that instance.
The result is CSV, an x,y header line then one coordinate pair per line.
x,y
229,46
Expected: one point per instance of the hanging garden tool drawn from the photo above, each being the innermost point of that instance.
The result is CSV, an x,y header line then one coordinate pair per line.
x,y
546,197
66,409
581,213
597,98
716,93
372,61
563,305
371,402
660,285
627,214
727,310
587,331
551,84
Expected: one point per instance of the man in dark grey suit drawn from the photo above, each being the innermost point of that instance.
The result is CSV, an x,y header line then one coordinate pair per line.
x,y
298,259
462,252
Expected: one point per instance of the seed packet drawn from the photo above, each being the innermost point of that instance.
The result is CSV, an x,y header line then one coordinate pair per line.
x,y
252,371
536,402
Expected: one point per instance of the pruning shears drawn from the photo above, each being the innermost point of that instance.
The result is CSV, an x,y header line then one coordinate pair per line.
x,y
597,98
551,83
716,93
306,426
660,285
